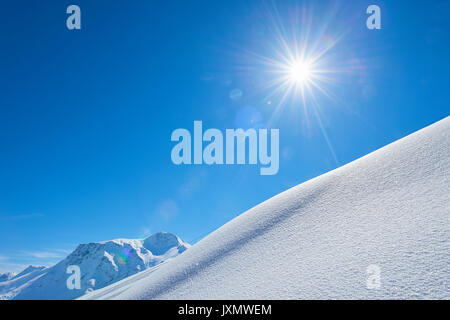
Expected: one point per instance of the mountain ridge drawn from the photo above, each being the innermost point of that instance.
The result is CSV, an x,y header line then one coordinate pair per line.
x,y
101,263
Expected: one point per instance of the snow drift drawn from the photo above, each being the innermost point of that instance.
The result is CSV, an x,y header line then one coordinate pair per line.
x,y
317,240
100,263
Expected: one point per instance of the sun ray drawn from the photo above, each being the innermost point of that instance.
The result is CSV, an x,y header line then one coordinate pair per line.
x,y
315,107
298,68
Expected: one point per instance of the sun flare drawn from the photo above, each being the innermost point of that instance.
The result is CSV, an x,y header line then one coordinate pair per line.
x,y
300,72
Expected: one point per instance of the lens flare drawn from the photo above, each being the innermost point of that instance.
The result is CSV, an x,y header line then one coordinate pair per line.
x,y
123,256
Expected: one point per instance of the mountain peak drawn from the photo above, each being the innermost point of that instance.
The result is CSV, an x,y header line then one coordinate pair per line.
x,y
6,276
161,242
28,270
100,263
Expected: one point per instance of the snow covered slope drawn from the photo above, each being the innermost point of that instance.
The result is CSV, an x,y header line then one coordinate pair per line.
x,y
390,208
100,263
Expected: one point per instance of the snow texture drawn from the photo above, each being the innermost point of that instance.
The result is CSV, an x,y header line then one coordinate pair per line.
x,y
100,263
317,240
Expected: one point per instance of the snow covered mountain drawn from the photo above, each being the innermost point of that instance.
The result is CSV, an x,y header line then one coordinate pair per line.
x,y
12,286
377,227
6,276
29,270
100,264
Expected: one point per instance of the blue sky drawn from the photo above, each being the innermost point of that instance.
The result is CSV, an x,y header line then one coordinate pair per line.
x,y
86,115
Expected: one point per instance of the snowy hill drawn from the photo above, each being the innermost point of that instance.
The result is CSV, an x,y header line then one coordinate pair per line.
x,y
100,263
388,212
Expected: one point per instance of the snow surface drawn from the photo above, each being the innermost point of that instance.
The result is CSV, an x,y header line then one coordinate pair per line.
x,y
101,264
316,241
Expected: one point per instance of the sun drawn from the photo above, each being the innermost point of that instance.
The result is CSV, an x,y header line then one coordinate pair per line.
x,y
297,66
300,72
